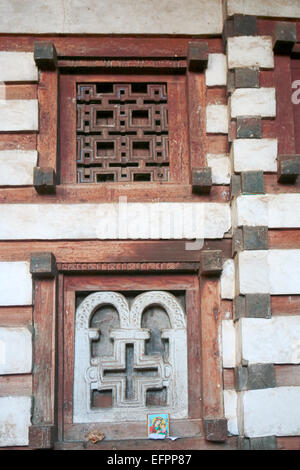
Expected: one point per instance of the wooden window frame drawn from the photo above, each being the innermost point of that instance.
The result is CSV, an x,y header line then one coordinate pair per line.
x,y
56,146
134,260
121,283
153,55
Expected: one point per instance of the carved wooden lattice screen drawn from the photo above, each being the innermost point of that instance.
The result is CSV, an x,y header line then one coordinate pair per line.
x,y
122,132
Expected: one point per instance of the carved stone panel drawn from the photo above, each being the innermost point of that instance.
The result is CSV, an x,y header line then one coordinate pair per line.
x,y
130,357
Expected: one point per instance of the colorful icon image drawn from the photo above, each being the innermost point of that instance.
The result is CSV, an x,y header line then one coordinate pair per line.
x,y
158,424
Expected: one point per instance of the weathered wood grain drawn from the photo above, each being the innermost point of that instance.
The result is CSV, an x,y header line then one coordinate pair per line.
x,y
196,119
47,141
282,127
284,239
15,385
137,192
15,316
44,386
287,375
20,141
285,305
97,251
19,92
211,355
95,46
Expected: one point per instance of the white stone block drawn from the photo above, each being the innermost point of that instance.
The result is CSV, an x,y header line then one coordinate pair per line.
x,y
217,119
228,344
216,71
276,272
275,340
254,155
16,167
228,280
19,115
253,102
275,9
114,221
15,283
15,414
125,17
230,411
272,411
250,51
272,210
15,350
253,272
17,67
251,210
220,168
284,271
283,210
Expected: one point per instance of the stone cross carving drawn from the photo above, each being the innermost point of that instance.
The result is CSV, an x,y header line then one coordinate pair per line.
x,y
122,372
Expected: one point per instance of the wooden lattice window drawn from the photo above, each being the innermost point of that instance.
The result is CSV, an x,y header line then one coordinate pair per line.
x,y
124,128
122,132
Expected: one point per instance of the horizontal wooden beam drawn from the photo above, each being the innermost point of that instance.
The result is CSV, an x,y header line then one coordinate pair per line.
x,y
15,316
104,46
285,305
15,385
228,379
93,251
272,186
191,443
288,443
19,91
21,141
287,375
139,192
157,65
284,238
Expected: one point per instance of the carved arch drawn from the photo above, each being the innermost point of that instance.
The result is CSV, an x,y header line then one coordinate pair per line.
x,y
96,300
164,300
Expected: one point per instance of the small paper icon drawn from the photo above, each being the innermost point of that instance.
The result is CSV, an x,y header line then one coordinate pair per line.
x,y
158,425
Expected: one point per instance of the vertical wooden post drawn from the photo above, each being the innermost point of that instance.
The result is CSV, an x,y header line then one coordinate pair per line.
x,y
45,175
42,431
196,118
48,128
212,362
215,425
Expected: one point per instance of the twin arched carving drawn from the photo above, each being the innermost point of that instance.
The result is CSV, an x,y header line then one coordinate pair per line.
x,y
131,317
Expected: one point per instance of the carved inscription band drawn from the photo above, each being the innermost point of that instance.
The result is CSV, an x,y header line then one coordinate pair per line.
x,y
192,267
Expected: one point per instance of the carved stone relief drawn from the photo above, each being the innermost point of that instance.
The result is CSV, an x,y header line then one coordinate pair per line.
x,y
145,353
